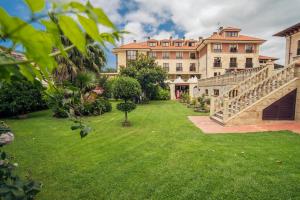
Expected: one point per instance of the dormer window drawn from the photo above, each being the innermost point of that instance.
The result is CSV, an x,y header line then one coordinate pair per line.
x,y
178,44
166,44
152,44
231,33
191,44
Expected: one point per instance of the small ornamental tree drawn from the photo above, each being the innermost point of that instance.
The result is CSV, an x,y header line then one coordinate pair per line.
x,y
126,88
148,73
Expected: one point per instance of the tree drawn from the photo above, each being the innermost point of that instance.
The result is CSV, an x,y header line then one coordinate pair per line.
x,y
148,73
126,88
41,46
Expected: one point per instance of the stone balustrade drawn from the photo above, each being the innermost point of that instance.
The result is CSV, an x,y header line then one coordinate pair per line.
x,y
250,91
229,78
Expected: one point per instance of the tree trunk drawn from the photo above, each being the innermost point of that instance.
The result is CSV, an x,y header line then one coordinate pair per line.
x,y
126,117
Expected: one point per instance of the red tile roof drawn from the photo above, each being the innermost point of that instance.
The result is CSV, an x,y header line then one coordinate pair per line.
x,y
238,38
144,45
266,58
288,31
230,28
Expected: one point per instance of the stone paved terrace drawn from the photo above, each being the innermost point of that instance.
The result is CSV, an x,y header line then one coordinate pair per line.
x,y
210,127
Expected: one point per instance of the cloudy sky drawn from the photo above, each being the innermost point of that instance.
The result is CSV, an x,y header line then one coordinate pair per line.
x,y
194,18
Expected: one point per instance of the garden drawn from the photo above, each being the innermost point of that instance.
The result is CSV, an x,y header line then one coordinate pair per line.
x,y
68,131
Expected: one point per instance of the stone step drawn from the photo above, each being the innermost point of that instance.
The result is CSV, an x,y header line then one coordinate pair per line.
x,y
217,120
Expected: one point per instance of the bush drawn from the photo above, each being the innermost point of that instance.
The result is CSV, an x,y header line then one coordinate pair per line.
x,y
56,101
21,97
98,107
162,94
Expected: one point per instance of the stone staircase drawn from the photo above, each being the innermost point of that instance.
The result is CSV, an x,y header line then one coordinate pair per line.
x,y
260,89
230,78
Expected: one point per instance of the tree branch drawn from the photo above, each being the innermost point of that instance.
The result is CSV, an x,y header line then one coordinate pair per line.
x,y
18,62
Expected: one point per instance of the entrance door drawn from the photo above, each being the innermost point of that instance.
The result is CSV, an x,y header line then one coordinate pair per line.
x,y
283,109
180,89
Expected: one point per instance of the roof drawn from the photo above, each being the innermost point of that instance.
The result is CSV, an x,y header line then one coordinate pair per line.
x,y
230,28
144,45
266,58
288,31
238,38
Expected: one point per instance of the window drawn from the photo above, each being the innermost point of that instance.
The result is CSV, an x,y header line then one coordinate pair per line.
x,y
216,92
249,63
298,50
217,62
191,44
217,73
152,44
179,55
217,47
231,34
192,55
232,62
233,48
179,67
152,54
131,55
165,44
165,55
249,48
206,91
178,44
166,67
192,67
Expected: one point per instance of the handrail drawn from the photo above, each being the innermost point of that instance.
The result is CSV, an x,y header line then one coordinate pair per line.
x,y
229,78
251,93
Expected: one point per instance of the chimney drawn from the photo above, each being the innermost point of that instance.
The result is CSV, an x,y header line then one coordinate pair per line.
x,y
171,37
200,38
134,41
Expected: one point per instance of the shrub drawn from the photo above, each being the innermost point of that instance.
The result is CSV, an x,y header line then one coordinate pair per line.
x,y
162,94
98,107
21,97
56,101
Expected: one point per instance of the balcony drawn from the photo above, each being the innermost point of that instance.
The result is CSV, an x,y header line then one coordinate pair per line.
x,y
193,57
217,64
249,51
232,64
248,64
217,50
233,50
178,69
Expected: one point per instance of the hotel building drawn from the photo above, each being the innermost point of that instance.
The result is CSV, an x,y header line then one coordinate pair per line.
x,y
187,60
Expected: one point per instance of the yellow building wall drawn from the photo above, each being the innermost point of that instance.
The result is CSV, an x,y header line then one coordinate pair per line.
x,y
291,48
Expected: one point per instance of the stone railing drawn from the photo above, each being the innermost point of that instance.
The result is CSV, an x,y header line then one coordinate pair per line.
x,y
260,85
229,78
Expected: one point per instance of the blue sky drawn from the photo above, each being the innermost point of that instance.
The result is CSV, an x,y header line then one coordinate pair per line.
x,y
192,18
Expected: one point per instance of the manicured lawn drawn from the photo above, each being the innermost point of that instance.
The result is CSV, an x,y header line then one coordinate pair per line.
x,y
163,156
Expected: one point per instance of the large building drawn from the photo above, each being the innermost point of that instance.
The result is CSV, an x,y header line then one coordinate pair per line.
x,y
292,35
187,60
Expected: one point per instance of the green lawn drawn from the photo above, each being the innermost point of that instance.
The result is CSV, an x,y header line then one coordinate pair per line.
x,y
163,156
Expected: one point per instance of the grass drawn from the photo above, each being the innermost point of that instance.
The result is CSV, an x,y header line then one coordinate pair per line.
x,y
162,156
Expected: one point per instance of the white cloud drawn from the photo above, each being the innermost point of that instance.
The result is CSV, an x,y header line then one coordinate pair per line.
x,y
261,18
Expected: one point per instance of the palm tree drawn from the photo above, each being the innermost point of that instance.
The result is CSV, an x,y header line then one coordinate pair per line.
x,y
75,61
